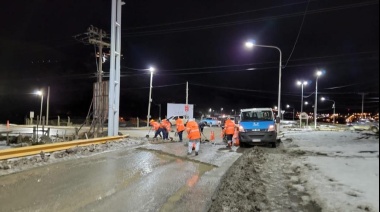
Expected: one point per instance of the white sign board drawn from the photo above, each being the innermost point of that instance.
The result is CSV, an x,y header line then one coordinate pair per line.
x,y
180,110
31,115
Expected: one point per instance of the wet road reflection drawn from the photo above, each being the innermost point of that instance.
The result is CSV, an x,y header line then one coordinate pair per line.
x,y
128,180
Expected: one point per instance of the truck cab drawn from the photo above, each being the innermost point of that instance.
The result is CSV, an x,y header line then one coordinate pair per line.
x,y
257,126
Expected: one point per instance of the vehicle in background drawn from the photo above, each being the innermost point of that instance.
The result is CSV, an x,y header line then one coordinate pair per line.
x,y
365,124
257,126
173,119
211,121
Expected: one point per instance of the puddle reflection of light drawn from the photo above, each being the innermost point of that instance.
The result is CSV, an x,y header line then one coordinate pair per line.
x,y
193,180
147,163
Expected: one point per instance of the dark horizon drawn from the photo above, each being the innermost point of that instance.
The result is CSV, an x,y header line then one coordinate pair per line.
x,y
197,42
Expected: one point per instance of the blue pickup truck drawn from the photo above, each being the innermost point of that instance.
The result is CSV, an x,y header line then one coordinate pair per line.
x,y
257,127
211,121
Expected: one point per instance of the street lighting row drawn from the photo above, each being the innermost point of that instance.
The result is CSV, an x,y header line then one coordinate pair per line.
x,y
252,44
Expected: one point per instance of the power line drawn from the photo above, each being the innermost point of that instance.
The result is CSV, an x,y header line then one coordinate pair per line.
x,y
226,24
299,33
218,16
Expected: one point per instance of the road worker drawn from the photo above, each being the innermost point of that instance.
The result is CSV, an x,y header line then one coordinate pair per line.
x,y
194,136
180,128
228,131
156,127
166,128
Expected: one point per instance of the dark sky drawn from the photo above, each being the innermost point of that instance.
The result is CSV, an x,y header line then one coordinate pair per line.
x,y
198,41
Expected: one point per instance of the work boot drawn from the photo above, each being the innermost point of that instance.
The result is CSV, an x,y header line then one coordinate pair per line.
x,y
189,153
196,153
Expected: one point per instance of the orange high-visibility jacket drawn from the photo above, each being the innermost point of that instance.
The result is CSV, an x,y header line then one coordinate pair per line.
x,y
179,124
166,124
155,125
192,130
229,127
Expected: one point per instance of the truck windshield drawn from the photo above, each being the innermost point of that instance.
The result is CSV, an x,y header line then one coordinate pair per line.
x,y
256,116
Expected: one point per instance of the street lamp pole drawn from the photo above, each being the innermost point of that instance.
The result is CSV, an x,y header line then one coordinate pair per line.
x,y
39,93
319,73
251,45
302,84
151,69
288,106
334,106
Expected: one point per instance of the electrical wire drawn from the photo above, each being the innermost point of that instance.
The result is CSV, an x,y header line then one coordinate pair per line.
x,y
218,16
299,33
226,24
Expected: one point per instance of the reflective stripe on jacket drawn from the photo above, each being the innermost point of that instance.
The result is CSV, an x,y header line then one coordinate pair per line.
x,y
155,125
192,130
166,125
229,127
179,124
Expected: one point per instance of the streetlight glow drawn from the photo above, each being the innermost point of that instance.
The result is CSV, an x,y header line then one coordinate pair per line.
x,y
319,73
302,83
251,44
151,69
41,94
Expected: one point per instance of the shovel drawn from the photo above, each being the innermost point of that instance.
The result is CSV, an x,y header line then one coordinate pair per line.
x,y
206,140
147,135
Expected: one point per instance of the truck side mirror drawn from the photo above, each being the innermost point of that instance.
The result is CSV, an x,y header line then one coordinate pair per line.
x,y
278,120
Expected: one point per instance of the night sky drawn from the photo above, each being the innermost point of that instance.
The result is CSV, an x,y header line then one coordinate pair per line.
x,y
198,41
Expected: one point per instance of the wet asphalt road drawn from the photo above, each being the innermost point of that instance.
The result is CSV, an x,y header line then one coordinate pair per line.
x,y
151,177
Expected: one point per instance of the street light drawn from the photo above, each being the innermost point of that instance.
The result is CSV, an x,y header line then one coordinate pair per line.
x,y
302,84
319,73
250,45
39,93
151,69
324,99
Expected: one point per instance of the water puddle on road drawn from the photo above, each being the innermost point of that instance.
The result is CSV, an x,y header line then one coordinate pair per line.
x,y
200,169
170,205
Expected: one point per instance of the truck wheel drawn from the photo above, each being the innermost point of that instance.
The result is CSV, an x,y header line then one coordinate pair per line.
x,y
375,129
242,144
274,144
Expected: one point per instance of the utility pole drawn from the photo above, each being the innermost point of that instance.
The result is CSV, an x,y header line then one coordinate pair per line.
x,y
363,95
95,37
187,93
47,105
187,98
114,85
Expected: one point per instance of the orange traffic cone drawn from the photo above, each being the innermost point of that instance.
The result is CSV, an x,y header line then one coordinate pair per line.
x,y
212,136
8,124
236,138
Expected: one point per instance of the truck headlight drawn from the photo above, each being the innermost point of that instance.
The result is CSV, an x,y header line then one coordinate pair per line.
x,y
241,129
271,128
